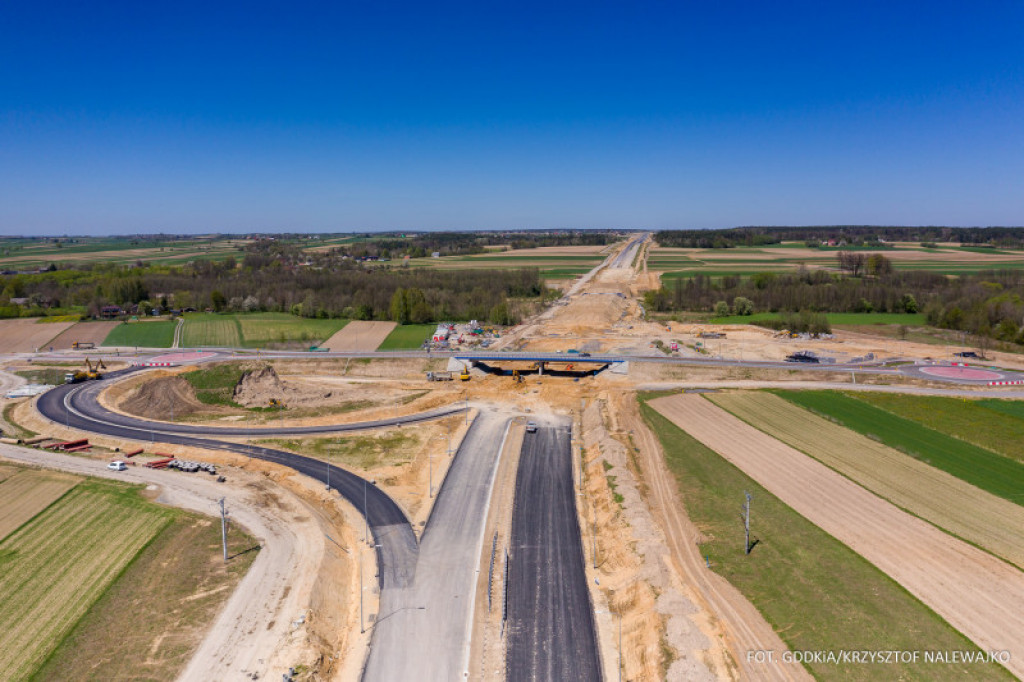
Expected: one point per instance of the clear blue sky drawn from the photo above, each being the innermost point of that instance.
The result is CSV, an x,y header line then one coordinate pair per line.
x,y
217,116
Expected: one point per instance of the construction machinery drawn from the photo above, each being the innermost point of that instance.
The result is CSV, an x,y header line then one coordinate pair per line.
x,y
275,403
82,345
439,376
91,371
517,378
465,374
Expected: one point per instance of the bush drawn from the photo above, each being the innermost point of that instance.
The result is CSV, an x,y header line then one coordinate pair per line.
x,y
742,306
721,309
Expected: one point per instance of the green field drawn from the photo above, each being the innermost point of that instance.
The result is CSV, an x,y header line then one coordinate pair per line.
x,y
835,319
119,638
407,337
982,468
255,330
144,334
56,566
814,591
996,425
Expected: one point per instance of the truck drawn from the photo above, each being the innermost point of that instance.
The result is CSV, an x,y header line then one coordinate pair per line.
x,y
82,345
439,376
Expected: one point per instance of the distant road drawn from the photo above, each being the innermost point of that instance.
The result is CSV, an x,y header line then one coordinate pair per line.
x,y
551,626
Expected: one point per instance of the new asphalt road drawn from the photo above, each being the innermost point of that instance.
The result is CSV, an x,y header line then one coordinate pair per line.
x,y
425,621
423,630
551,627
75,405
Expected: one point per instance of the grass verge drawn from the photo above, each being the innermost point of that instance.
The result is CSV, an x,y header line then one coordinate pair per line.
x,y
360,452
818,594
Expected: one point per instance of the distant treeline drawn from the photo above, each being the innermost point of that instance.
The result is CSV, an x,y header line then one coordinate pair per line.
x,y
851,235
988,304
466,243
275,276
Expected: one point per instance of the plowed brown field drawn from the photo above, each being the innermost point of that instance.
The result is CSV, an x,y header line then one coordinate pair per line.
x,y
24,335
359,335
978,594
973,514
95,332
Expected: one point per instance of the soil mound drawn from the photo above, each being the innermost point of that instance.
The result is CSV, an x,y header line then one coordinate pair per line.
x,y
164,398
257,387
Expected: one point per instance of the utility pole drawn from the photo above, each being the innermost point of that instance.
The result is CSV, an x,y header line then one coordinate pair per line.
x,y
430,485
224,528
746,523
366,519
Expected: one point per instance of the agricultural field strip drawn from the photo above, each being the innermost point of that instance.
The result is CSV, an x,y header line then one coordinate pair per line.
x,y
218,332
988,521
973,591
27,493
833,594
55,567
985,469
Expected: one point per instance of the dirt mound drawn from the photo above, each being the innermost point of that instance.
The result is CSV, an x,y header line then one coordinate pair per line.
x,y
257,387
164,398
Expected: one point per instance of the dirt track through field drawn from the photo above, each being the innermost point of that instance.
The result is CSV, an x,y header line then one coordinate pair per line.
x,y
25,335
976,593
973,514
359,335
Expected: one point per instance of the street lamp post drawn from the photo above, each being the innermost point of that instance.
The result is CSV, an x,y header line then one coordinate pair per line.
x,y
362,628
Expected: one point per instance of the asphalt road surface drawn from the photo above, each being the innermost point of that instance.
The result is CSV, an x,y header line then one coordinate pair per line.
x,y
85,412
391,529
423,631
551,627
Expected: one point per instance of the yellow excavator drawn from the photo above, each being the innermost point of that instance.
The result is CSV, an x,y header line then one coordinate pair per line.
x,y
91,371
275,403
465,374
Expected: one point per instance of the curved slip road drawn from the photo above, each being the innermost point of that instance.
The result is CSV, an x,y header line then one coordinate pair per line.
x,y
551,623
76,406
438,574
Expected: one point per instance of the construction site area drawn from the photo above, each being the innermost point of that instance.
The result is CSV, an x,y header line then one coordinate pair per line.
x,y
555,500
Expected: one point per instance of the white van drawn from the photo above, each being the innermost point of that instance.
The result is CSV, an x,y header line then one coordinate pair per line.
x,y
117,466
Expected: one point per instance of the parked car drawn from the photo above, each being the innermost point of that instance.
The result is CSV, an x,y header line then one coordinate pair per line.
x,y
117,466
531,427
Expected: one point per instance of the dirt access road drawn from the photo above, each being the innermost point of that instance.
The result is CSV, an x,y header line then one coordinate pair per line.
x,y
976,593
254,632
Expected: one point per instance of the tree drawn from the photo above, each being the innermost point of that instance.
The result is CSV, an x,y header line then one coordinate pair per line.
x,y
907,303
218,300
721,309
399,309
743,306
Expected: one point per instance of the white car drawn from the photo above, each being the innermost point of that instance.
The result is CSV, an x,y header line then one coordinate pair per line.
x,y
117,466
531,427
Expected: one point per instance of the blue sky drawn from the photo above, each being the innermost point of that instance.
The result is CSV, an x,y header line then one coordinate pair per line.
x,y
199,117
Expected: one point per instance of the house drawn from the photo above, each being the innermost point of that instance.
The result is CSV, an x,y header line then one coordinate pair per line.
x,y
109,312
